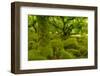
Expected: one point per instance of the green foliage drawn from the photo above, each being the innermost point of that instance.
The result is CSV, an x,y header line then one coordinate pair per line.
x,y
32,55
57,43
71,43
74,52
66,55
46,51
57,37
83,42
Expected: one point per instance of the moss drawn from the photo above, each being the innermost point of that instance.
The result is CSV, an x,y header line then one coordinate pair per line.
x,y
57,43
71,43
33,55
66,55
45,51
57,37
74,52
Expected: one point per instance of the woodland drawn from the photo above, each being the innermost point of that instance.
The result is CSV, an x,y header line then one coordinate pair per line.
x,y
57,37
